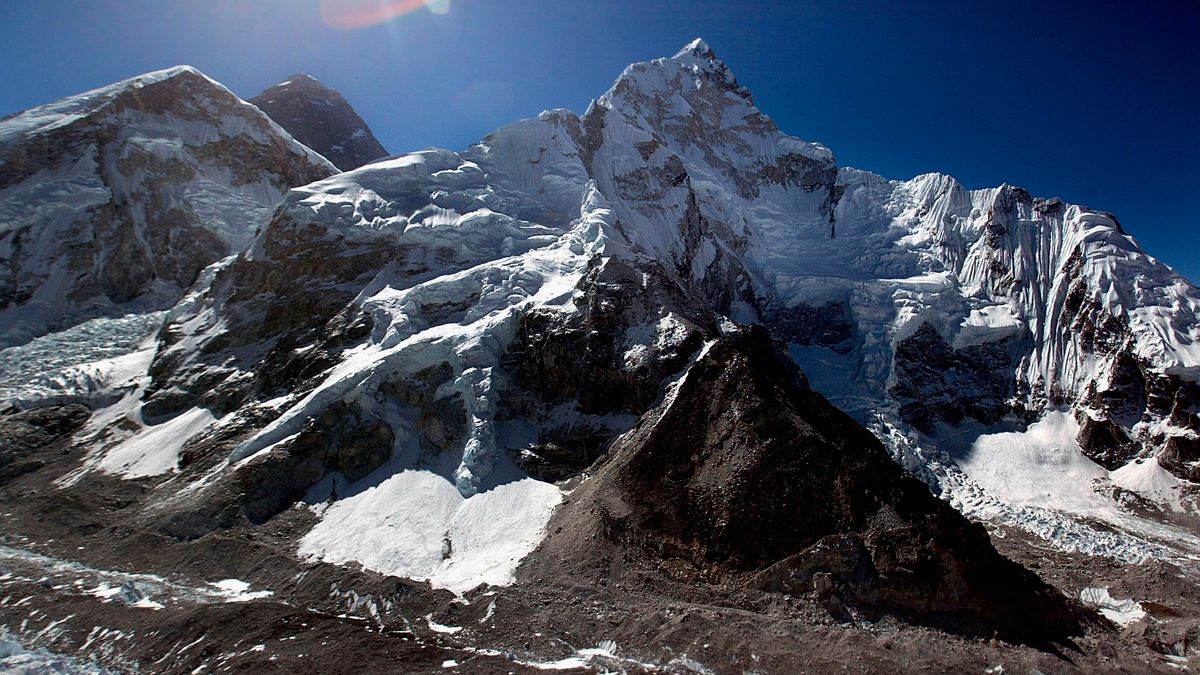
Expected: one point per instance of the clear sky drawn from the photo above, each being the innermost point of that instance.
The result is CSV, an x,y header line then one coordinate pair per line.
x,y
1095,102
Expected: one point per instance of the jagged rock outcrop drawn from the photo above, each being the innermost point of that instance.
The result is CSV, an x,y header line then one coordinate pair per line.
x,y
114,200
23,433
320,118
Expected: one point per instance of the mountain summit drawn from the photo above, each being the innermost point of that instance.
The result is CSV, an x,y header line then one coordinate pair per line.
x,y
115,199
320,118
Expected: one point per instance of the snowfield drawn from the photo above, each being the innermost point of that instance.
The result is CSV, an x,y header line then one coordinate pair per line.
x,y
155,450
417,525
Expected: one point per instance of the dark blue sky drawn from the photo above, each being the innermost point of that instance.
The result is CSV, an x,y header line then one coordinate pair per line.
x,y
1094,102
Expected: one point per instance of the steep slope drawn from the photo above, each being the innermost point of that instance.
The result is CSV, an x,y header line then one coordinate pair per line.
x,y
508,310
744,475
114,200
320,118
996,304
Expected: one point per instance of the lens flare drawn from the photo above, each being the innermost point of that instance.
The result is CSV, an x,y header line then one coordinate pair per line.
x,y
354,14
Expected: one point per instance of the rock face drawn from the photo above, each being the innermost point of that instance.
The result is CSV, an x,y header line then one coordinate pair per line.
x,y
320,118
1028,305
744,475
114,200
22,433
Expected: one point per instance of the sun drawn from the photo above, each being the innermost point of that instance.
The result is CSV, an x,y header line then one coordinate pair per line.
x,y
354,14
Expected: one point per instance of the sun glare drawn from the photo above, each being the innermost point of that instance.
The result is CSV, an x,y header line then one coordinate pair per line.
x,y
354,14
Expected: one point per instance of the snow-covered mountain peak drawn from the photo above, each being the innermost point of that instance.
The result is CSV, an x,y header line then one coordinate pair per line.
x,y
122,194
428,349
698,48
692,68
538,286
53,115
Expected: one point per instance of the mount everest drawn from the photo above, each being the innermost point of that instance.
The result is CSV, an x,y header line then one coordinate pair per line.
x,y
321,119
568,352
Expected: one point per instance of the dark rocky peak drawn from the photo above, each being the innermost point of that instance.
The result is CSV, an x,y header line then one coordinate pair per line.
x,y
320,118
743,477
301,84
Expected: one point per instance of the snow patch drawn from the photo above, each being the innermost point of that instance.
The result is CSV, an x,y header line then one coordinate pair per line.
x,y
1120,612
1040,466
439,628
417,525
155,449
236,590
1147,478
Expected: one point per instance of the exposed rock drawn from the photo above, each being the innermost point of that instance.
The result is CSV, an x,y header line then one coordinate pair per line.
x,y
744,475
320,118
1104,441
826,325
1181,456
938,384
24,433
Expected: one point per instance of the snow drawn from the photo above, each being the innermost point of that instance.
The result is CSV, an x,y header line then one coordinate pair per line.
x,y
504,265
1120,612
1041,465
606,655
440,628
1039,480
155,449
236,590
517,221
1147,478
146,591
976,264
417,525
137,168
16,659
663,336
129,593
61,113
988,324
87,363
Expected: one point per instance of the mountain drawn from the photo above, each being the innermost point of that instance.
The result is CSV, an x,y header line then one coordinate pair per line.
x,y
114,200
595,392
320,118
